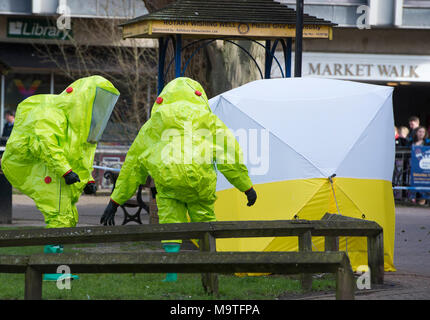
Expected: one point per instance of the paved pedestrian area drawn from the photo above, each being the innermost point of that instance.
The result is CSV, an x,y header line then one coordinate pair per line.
x,y
397,286
411,281
90,208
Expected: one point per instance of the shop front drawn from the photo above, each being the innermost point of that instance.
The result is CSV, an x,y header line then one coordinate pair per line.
x,y
409,74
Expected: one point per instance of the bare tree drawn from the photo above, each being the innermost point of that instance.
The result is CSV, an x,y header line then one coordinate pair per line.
x,y
221,65
131,65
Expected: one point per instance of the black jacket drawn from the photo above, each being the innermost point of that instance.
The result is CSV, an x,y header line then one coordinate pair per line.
x,y
402,142
7,129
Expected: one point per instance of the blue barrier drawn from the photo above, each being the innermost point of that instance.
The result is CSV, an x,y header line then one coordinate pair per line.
x,y
107,169
412,188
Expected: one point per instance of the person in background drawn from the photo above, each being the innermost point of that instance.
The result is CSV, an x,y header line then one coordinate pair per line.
x,y
414,123
420,138
403,132
400,136
7,129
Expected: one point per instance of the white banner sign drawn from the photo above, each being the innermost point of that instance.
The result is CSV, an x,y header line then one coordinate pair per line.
x,y
374,67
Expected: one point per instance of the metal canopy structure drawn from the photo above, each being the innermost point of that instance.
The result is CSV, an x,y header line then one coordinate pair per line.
x,y
205,21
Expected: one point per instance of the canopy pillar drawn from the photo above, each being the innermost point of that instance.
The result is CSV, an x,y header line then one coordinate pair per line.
x,y
162,47
178,55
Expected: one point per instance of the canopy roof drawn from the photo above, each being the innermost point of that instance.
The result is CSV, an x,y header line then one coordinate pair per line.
x,y
243,18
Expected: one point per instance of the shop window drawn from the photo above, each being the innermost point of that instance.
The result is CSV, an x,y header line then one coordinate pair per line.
x,y
61,83
15,6
19,86
417,3
107,8
327,2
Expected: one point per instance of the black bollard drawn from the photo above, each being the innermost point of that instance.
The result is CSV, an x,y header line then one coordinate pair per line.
x,y
5,200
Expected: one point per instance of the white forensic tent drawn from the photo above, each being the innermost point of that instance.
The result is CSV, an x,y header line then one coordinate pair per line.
x,y
296,133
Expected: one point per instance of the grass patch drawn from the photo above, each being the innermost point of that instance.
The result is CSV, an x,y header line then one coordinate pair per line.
x,y
151,287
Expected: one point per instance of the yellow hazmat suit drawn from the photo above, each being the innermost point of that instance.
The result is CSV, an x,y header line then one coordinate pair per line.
x,y
181,146
52,135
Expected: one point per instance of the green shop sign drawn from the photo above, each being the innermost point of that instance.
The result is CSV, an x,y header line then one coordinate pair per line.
x,y
36,29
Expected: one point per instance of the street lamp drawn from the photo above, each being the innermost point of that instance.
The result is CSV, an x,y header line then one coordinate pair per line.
x,y
299,39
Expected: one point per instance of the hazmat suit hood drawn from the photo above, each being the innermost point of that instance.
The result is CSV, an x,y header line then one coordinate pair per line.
x,y
54,134
182,91
88,103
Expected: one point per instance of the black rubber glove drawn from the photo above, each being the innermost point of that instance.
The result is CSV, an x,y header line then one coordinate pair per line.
x,y
108,217
252,196
153,192
71,178
90,188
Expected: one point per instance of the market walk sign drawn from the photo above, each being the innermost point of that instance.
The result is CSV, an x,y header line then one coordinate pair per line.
x,y
36,29
367,67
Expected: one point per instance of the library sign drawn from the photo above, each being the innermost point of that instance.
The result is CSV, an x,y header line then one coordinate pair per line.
x,y
373,67
36,29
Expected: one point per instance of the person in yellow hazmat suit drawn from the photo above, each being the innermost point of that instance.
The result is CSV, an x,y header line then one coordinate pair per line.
x,y
180,147
50,153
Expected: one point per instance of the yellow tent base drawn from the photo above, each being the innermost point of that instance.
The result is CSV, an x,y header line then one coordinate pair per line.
x,y
310,199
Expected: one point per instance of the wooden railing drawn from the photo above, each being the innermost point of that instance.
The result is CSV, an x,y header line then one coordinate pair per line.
x,y
207,261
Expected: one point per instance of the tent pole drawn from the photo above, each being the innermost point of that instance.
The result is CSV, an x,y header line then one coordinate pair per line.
x,y
337,206
334,194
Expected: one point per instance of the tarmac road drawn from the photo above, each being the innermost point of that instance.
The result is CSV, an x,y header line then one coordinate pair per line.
x,y
90,208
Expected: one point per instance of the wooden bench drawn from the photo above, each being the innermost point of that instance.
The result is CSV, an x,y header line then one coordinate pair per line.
x,y
136,203
208,232
332,226
186,262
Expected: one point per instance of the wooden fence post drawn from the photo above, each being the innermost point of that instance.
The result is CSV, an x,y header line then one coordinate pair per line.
x,y
209,280
305,245
331,243
344,284
375,258
33,284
